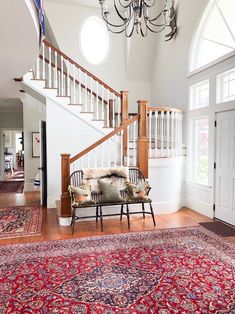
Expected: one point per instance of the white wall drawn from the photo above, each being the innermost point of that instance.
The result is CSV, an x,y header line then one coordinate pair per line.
x,y
169,82
66,133
33,112
113,70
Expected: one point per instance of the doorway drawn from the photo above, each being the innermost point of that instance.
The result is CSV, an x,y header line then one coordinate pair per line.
x,y
13,161
225,167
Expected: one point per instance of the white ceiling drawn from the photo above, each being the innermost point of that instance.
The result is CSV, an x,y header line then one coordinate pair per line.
x,y
11,105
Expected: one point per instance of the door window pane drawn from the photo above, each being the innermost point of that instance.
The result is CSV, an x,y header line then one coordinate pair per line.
x,y
200,150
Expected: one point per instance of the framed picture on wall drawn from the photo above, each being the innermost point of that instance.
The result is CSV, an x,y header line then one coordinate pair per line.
x,y
36,144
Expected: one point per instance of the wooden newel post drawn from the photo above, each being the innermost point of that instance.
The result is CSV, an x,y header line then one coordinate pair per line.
x,y
124,118
65,197
142,144
111,114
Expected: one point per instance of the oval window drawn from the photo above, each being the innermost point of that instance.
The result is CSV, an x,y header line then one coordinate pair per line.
x,y
94,40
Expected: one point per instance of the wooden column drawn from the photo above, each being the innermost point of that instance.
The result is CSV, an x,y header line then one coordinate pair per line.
x,y
142,143
124,118
65,197
111,113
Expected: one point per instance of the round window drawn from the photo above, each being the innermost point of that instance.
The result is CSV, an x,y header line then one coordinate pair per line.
x,y
94,40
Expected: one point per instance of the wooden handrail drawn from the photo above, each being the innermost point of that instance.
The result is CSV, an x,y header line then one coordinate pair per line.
x,y
105,138
164,109
82,69
77,82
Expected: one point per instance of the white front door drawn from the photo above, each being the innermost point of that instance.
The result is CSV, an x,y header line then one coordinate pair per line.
x,y
225,167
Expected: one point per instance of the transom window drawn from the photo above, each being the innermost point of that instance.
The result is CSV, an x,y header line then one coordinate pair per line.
x,y
226,86
94,40
215,36
199,95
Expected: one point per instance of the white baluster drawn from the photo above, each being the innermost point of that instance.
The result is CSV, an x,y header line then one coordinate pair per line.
x,y
43,61
167,133
172,133
121,148
102,154
109,154
62,75
80,87
134,144
97,101
113,111
162,130
102,103
128,147
85,91
150,133
91,97
68,78
115,151
107,111
156,133
49,69
118,101
56,71
74,84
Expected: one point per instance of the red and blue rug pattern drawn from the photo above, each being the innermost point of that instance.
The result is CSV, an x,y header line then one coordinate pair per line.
x,y
185,270
20,222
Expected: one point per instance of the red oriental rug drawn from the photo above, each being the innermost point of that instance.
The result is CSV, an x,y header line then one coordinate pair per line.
x,y
185,270
20,222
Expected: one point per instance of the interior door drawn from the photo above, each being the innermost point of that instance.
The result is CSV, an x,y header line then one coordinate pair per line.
x,y
43,164
225,167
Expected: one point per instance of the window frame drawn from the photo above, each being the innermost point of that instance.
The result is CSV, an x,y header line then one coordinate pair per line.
x,y
85,20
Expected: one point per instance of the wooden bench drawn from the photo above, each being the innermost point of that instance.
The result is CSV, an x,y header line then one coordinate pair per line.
x,y
135,176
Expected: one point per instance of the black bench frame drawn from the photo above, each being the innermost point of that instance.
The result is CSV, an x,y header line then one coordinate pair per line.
x,y
135,176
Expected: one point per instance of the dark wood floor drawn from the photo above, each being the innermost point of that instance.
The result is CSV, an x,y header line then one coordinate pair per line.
x,y
52,230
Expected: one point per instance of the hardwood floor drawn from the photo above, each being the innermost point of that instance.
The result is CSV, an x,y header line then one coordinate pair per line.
x,y
52,231
20,199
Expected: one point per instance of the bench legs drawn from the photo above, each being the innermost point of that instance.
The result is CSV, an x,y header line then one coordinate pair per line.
x,y
128,216
101,219
151,209
121,212
73,220
143,210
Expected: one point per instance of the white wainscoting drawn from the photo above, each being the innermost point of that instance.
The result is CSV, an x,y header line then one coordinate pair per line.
x,y
199,198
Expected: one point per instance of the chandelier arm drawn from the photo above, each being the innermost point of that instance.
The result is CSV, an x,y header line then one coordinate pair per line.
x,y
130,34
109,23
123,5
154,31
149,5
158,25
117,11
157,17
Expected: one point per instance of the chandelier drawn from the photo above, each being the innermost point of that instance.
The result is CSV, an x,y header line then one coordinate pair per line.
x,y
142,16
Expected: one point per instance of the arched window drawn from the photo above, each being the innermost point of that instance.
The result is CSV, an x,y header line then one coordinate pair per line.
x,y
94,40
215,36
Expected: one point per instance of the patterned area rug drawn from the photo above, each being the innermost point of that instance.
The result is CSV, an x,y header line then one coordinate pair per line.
x,y
20,222
11,186
185,270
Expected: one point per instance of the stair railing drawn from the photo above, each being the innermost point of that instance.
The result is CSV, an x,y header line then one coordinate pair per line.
x,y
106,152
164,132
82,87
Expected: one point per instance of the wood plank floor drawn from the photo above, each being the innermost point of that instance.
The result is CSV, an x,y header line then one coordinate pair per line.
x,y
52,230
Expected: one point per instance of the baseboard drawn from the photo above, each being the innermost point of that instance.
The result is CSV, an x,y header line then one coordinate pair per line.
x,y
199,206
51,200
28,187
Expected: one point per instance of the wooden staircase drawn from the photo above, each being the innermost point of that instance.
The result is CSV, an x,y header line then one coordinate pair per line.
x,y
128,139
